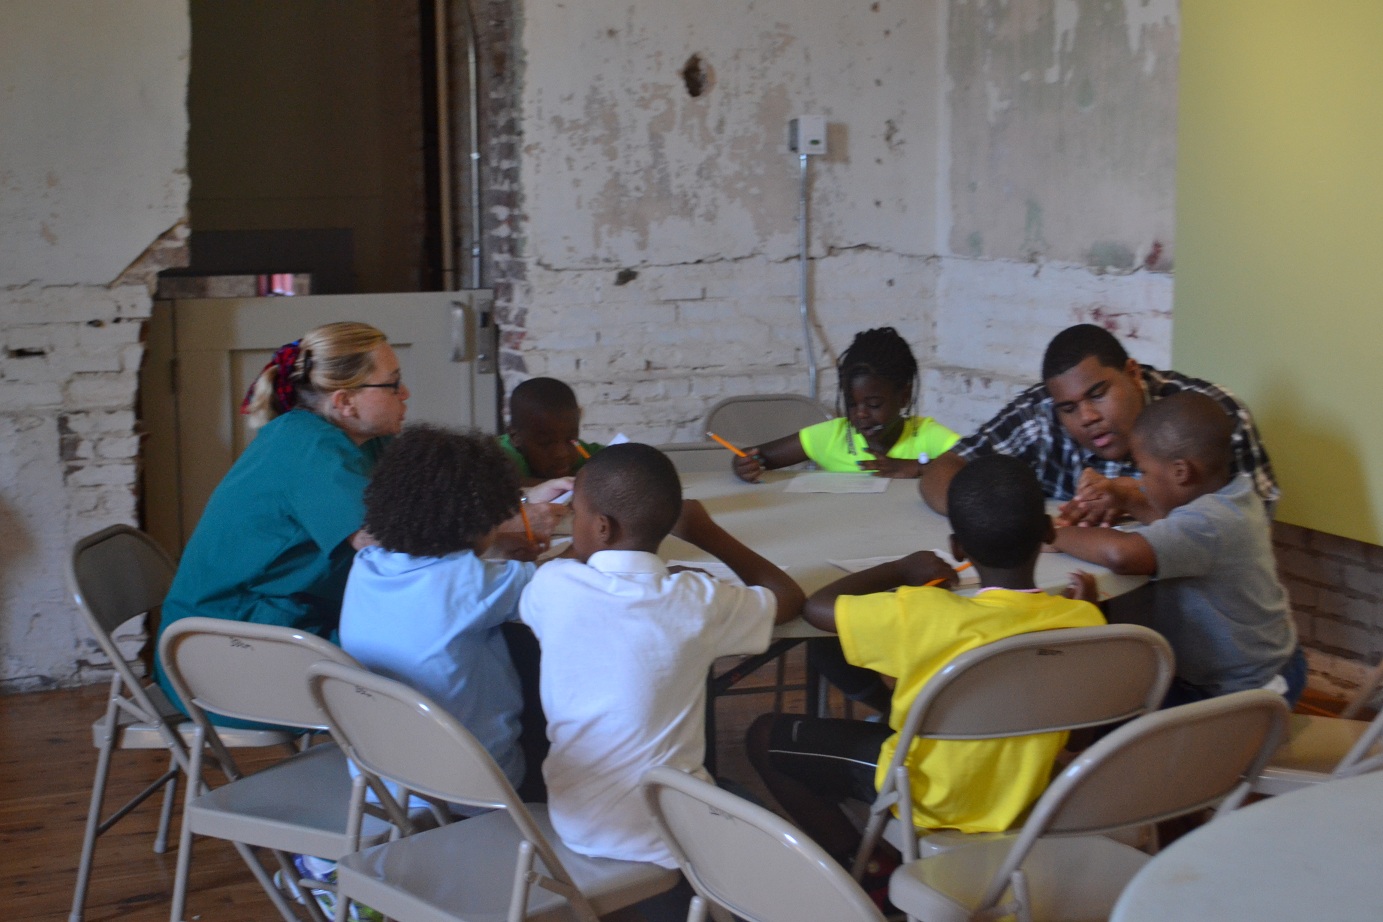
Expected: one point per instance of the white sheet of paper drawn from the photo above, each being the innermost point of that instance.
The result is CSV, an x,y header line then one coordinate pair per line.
x,y
555,547
836,483
619,439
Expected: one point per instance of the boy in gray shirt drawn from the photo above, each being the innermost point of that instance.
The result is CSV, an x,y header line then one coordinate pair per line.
x,y
1207,543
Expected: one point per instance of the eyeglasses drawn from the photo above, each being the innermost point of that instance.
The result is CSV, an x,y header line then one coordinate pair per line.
x,y
391,385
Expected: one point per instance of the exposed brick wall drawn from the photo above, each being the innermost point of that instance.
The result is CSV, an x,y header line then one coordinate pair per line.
x,y
1336,587
497,27
68,375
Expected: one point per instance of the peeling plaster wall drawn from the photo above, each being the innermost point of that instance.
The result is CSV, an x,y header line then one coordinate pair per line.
x,y
998,170
1060,176
92,194
660,237
1063,130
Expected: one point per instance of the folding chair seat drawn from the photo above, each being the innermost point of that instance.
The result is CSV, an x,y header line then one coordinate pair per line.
x,y
1319,748
1059,866
114,576
502,865
300,805
746,860
1039,682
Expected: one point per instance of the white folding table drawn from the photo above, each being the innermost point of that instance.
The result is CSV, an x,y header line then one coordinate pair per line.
x,y
1312,854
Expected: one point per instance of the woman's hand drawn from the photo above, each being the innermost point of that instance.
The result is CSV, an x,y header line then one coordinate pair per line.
x,y
549,490
514,545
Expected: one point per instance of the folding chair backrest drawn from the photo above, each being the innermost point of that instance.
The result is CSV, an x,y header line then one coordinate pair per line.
x,y
753,419
747,859
393,731
1161,765
1043,681
1166,763
249,671
114,575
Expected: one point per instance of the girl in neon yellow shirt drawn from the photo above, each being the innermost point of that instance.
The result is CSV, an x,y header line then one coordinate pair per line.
x,y
878,433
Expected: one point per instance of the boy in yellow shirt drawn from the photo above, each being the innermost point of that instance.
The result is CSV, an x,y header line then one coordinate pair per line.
x,y
891,621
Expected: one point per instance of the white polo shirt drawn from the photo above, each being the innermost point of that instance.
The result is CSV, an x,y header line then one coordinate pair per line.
x,y
626,650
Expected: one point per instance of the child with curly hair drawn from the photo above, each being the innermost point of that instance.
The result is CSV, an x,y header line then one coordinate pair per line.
x,y
424,607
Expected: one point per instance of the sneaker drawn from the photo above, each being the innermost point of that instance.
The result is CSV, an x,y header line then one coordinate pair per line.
x,y
321,870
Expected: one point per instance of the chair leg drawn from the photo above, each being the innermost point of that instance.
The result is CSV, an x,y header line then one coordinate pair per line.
x,y
93,820
165,814
267,883
184,848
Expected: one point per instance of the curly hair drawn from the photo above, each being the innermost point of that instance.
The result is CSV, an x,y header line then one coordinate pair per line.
x,y
437,491
879,352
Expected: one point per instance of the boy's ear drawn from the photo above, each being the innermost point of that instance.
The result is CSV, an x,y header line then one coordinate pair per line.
x,y
1049,531
957,551
606,529
1184,472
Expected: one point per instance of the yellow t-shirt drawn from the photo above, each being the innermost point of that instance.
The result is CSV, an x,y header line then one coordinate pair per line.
x,y
910,634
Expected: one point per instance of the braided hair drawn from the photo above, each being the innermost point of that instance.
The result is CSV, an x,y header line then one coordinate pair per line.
x,y
880,352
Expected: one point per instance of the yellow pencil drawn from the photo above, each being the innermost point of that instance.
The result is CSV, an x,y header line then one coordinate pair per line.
x,y
581,449
527,526
727,445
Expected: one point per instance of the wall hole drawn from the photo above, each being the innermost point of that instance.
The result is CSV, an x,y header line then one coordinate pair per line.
x,y
696,75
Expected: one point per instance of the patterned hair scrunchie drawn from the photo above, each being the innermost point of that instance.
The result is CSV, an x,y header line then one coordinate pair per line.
x,y
285,390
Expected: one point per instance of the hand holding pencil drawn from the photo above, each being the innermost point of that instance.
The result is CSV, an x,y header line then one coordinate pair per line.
x,y
748,464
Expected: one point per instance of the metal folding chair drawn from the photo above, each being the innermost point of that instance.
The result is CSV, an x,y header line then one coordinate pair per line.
x,y
114,576
1319,748
745,860
505,864
752,419
1040,682
1060,866
258,672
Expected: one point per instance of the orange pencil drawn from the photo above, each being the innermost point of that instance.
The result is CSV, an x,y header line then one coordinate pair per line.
x,y
727,445
941,579
580,449
527,526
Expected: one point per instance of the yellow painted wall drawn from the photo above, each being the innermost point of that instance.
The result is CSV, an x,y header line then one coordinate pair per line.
x,y
1279,275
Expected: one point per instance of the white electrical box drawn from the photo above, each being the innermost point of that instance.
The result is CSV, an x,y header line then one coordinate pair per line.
x,y
807,134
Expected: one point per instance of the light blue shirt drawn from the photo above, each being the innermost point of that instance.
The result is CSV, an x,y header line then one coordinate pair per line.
x,y
434,623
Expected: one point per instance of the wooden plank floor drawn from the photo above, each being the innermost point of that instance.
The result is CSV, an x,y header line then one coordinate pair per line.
x,y
46,767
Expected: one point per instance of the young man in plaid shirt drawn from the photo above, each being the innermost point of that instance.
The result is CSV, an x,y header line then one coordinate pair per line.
x,y
1073,430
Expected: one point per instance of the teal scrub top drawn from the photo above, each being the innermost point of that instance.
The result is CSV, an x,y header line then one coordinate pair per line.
x,y
271,545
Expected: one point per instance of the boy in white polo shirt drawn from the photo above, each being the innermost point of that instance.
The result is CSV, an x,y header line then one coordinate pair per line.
x,y
627,644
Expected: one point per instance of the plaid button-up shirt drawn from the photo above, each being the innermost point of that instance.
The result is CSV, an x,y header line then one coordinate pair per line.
x,y
1028,428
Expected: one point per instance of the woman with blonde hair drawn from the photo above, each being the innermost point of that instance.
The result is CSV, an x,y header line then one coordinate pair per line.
x,y
277,537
